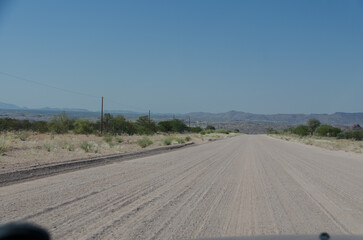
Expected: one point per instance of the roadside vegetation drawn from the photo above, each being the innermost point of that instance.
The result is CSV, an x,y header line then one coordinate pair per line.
x,y
25,143
323,135
112,125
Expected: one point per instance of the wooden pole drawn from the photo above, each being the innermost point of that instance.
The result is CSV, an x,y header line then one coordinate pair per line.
x,y
102,116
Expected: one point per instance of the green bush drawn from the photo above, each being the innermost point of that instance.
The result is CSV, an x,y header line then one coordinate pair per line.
x,y
356,135
40,127
301,130
195,129
66,145
108,139
327,131
210,127
60,123
89,146
224,131
119,139
313,124
188,138
144,142
175,125
167,141
204,132
10,124
180,140
81,126
144,126
119,125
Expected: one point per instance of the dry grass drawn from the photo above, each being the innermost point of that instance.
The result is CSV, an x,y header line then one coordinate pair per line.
x,y
26,149
326,142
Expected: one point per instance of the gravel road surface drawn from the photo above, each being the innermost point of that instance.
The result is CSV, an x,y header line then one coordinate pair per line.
x,y
246,185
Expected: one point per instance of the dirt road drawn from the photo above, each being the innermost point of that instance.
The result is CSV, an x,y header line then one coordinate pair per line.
x,y
246,185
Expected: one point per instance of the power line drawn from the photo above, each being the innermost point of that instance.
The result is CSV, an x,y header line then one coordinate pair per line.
x,y
47,85
109,100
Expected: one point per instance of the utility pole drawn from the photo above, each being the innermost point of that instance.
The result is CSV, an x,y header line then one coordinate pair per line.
x,y
102,116
189,122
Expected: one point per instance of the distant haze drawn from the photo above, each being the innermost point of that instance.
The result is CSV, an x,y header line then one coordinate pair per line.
x,y
261,57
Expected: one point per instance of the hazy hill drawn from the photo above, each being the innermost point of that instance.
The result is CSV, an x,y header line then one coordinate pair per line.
x,y
9,106
247,122
339,118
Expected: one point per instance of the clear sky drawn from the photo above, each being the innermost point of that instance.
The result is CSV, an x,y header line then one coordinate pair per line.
x,y
184,56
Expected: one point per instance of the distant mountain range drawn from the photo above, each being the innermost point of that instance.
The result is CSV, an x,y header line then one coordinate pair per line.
x,y
337,119
7,106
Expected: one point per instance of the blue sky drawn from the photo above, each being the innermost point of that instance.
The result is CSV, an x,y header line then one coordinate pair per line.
x,y
184,56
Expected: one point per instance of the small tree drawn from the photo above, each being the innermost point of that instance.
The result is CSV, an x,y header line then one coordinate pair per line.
x,y
82,127
106,121
195,129
119,125
301,130
60,123
175,125
313,124
327,131
40,126
144,126
210,127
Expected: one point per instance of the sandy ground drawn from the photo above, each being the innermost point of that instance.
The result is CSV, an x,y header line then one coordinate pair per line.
x,y
26,150
246,185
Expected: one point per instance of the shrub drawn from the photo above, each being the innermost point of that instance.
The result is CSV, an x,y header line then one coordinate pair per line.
x,y
196,129
327,131
224,131
40,127
89,146
175,125
356,135
144,142
81,126
167,141
188,138
204,132
180,140
119,125
108,139
23,135
3,145
301,130
144,126
119,139
313,124
210,127
48,146
66,145
60,123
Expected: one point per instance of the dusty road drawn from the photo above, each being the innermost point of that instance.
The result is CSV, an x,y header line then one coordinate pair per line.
x,y
246,185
